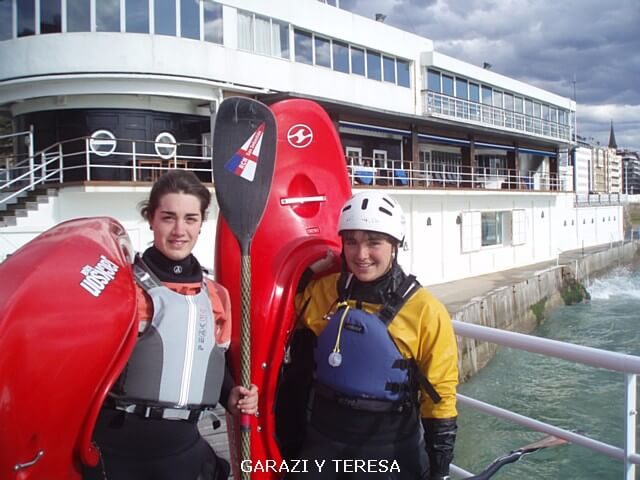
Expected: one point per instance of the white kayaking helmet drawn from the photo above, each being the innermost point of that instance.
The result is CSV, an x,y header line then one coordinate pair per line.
x,y
375,212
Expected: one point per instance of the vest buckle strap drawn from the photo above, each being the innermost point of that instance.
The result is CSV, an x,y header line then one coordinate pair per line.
x,y
402,364
161,412
364,404
395,387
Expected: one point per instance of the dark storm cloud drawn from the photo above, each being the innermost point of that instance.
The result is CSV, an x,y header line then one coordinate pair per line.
x,y
546,43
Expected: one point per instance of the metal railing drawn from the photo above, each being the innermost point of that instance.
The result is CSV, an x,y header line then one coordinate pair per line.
x,y
629,365
78,160
459,109
600,199
393,173
84,159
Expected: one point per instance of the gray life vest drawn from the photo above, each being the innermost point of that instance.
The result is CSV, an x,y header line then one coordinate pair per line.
x,y
176,362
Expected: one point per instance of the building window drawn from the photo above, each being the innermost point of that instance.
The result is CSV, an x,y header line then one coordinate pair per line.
x,y
528,107
137,16
6,20
354,156
341,57
50,16
474,92
562,117
357,61
26,18
447,85
78,15
389,69
102,143
374,70
164,12
323,51
491,228
165,145
518,104
470,228
536,110
497,99
303,46
279,39
403,73
518,227
508,102
245,31
433,81
108,16
190,20
487,95
213,22
462,89
263,35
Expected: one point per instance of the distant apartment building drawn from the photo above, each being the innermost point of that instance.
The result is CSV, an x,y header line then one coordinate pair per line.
x,y
597,169
582,157
630,172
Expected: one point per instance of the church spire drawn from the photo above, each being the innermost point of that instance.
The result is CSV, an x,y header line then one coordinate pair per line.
x,y
612,138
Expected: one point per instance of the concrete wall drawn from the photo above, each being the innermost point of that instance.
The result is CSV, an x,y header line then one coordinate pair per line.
x,y
584,269
509,307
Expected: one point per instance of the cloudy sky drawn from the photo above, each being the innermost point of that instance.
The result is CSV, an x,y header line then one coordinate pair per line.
x,y
546,43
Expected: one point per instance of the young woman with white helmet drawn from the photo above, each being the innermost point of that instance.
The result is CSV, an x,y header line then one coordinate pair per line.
x,y
385,357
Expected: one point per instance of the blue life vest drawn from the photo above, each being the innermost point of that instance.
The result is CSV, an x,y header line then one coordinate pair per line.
x,y
370,364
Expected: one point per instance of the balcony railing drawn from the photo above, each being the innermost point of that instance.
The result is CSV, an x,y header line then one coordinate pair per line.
x,y
395,174
76,160
83,159
459,109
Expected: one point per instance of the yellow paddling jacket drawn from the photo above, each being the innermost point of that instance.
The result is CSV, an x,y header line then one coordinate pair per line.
x,y
421,330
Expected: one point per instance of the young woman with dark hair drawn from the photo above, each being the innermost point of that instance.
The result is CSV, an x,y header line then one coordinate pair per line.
x,y
148,427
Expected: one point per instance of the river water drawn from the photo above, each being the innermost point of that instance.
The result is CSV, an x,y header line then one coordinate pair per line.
x,y
571,396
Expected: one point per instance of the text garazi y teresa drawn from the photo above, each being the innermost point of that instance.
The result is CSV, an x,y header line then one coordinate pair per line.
x,y
306,466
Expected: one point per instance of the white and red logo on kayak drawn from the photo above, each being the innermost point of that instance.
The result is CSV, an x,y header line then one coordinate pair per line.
x,y
300,136
96,278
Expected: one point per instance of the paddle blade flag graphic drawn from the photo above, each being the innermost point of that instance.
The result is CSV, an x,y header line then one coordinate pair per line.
x,y
244,152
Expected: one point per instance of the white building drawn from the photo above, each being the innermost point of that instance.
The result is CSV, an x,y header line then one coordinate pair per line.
x,y
478,160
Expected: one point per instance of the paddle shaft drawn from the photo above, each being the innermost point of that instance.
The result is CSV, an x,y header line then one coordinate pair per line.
x,y
245,349
243,153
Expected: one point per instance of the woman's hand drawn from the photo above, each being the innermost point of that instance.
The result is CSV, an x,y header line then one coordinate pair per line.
x,y
324,263
243,400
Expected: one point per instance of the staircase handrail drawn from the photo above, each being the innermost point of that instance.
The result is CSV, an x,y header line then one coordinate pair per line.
x,y
16,134
31,185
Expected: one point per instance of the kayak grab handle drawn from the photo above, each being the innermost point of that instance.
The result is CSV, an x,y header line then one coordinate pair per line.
x,y
297,200
21,466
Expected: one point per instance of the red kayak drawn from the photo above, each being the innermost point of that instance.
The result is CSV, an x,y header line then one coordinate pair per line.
x,y
310,185
67,310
